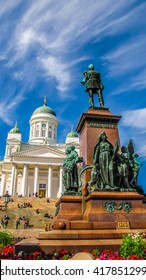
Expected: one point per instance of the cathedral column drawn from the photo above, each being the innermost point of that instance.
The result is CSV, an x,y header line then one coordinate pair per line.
x,y
47,130
12,184
3,183
49,181
60,181
14,189
36,172
15,182
24,180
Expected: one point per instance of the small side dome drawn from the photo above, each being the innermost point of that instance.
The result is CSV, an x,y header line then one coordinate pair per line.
x,y
72,138
72,134
15,129
44,109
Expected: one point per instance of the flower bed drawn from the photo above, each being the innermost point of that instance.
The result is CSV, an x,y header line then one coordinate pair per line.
x,y
8,253
133,248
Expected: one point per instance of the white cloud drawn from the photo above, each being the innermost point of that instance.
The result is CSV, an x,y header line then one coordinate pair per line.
x,y
65,21
27,37
49,35
133,83
7,107
58,70
135,119
126,57
122,18
62,26
126,62
7,6
142,149
56,28
138,82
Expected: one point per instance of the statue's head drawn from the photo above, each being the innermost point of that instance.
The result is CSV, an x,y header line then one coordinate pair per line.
x,y
102,136
69,149
91,67
72,147
135,155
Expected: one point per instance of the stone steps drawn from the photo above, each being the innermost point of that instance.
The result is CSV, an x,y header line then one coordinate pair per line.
x,y
36,220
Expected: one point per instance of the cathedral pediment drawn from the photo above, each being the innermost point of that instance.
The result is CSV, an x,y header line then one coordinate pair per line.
x,y
41,152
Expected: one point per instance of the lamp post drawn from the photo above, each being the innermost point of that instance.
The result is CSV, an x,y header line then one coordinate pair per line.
x,y
6,197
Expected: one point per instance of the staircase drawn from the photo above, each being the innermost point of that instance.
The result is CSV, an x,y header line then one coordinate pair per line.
x,y
37,220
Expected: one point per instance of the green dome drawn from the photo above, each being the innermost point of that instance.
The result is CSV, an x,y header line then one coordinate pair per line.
x,y
44,109
72,134
15,129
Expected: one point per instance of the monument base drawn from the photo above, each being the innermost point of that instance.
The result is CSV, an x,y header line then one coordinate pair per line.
x,y
75,240
69,207
101,210
124,209
71,245
97,221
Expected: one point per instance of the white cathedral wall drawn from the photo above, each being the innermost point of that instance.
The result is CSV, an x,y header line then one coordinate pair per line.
x,y
14,136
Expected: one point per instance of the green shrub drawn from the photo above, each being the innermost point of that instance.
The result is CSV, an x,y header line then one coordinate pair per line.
x,y
5,238
133,244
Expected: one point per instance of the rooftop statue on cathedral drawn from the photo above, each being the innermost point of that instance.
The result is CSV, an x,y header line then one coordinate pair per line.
x,y
94,85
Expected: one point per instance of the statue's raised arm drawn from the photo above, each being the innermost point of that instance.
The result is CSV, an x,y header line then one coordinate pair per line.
x,y
93,85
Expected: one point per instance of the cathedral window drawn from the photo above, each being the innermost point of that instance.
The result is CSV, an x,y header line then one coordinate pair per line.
x,y
13,149
50,131
54,133
37,133
42,186
43,133
49,134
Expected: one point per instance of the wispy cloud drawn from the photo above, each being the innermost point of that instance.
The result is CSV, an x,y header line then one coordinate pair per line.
x,y
121,18
126,57
135,118
7,7
58,70
46,39
6,108
133,125
126,62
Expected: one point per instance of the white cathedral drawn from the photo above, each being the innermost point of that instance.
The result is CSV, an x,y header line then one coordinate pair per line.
x,y
35,166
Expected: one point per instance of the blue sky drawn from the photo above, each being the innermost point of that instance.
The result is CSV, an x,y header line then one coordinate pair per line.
x,y
46,45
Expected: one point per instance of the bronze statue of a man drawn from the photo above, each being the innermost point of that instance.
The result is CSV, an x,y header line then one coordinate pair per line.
x,y
94,85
